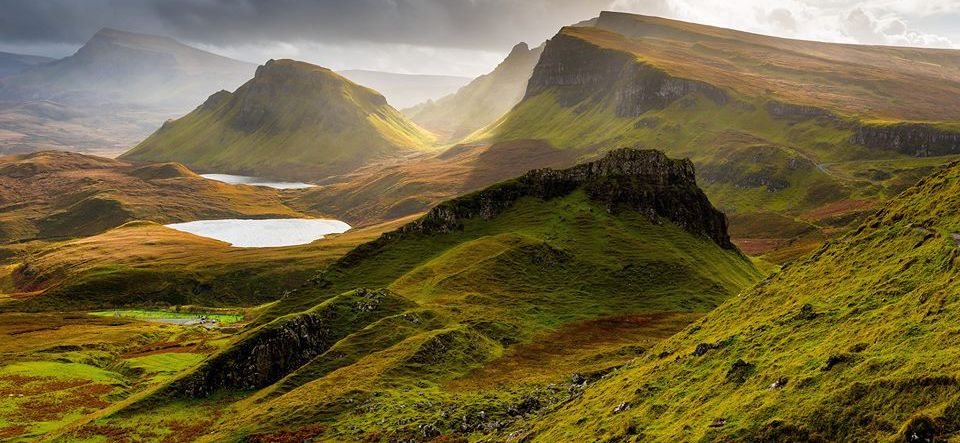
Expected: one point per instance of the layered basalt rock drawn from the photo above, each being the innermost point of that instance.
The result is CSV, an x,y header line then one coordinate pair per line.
x,y
916,139
790,111
576,71
646,181
280,348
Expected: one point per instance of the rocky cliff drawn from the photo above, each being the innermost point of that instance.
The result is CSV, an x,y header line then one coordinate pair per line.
x,y
281,347
576,70
646,181
916,139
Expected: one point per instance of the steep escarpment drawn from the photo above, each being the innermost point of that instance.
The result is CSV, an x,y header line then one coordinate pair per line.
x,y
483,100
642,181
755,114
624,179
915,139
292,120
577,70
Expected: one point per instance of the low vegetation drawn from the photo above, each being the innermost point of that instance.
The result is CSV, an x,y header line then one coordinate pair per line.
x,y
855,342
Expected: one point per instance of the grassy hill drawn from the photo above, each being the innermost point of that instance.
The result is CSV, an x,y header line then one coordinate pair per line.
x,y
579,268
855,342
144,264
786,134
482,101
57,195
293,120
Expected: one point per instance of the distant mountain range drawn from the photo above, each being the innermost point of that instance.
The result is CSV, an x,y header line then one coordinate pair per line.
x,y
293,120
118,87
117,67
16,63
110,94
482,101
405,90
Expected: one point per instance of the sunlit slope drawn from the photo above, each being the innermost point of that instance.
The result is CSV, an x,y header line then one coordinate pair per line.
x,y
483,100
628,240
856,342
292,120
56,195
145,264
778,128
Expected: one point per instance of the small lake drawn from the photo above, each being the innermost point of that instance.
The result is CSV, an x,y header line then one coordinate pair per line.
x,y
255,181
263,233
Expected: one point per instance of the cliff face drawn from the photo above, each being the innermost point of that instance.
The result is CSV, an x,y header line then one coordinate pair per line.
x,y
646,181
576,70
916,139
275,351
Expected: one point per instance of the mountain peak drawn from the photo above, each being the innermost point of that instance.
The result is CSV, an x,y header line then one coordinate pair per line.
x,y
309,80
519,48
127,38
292,120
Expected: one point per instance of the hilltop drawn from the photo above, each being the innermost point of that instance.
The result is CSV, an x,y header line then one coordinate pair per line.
x,y
855,342
110,94
624,251
119,67
795,140
293,120
483,100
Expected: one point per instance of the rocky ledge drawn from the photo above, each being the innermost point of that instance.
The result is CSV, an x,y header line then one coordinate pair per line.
x,y
646,181
916,139
281,347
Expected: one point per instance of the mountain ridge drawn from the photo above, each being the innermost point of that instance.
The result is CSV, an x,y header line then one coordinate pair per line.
x,y
483,100
764,157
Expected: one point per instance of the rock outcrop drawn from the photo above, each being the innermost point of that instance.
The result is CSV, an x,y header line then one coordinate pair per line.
x,y
281,347
791,111
916,139
646,181
576,70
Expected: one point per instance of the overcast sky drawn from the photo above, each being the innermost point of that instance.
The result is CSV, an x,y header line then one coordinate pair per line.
x,y
457,37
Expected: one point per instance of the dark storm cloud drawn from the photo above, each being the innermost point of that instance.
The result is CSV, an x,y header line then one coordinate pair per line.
x,y
472,24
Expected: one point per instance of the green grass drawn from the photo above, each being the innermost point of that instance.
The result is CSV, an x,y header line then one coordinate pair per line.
x,y
541,275
60,370
750,162
331,126
221,318
861,334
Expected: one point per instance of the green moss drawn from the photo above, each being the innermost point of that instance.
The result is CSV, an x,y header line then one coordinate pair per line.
x,y
852,343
